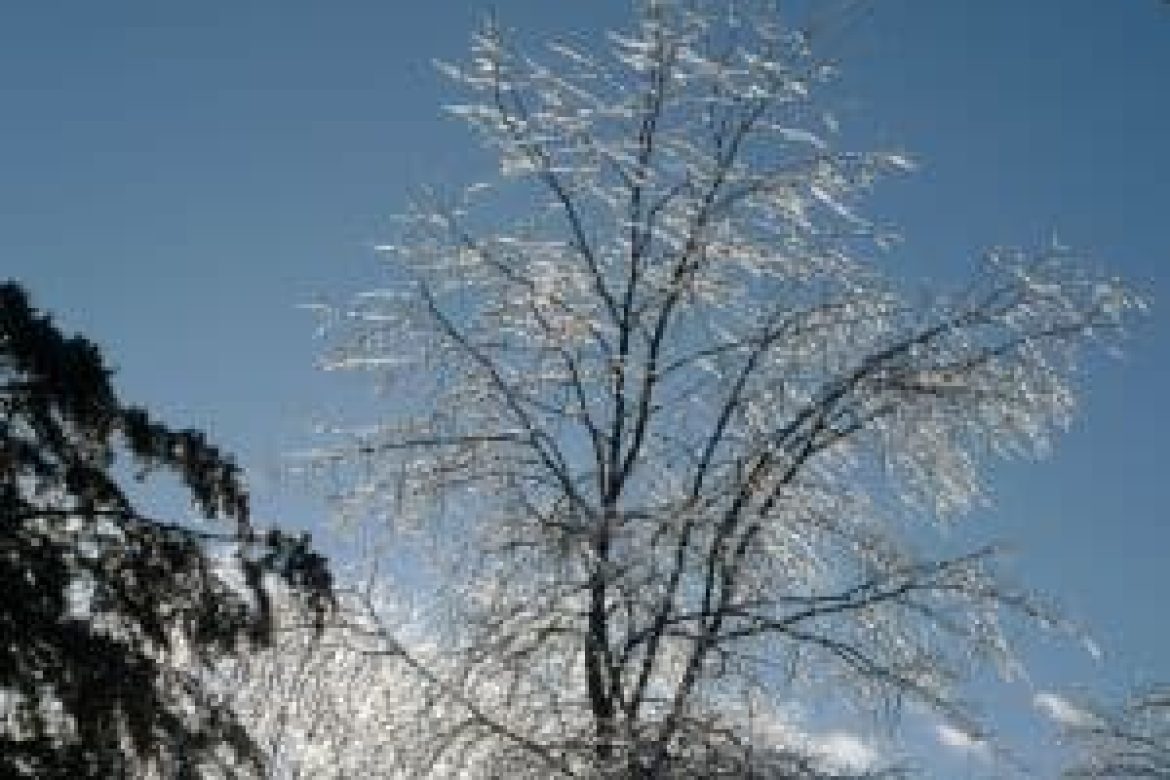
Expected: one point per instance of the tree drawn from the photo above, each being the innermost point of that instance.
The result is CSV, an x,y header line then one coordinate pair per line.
x,y
1132,741
107,609
659,443
326,705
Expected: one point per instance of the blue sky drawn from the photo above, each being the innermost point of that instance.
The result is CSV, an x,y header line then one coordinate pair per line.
x,y
174,178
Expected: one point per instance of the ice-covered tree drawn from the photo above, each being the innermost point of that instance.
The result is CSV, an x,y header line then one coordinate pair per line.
x,y
666,440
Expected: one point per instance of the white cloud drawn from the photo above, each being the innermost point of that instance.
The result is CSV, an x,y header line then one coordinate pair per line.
x,y
1061,710
843,750
838,749
959,740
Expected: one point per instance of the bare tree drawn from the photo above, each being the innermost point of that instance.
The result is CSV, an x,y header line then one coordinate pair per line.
x,y
667,441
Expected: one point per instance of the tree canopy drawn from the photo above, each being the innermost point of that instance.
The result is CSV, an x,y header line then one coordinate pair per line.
x,y
108,611
664,424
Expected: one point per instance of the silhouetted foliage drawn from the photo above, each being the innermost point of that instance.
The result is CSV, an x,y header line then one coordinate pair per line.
x,y
103,606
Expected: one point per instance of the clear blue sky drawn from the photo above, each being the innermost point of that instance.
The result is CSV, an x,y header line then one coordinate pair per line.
x,y
174,177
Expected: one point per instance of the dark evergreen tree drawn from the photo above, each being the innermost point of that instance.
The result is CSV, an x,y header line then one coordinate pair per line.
x,y
103,606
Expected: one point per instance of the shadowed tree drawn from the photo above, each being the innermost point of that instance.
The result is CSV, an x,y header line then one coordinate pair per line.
x,y
107,611
660,441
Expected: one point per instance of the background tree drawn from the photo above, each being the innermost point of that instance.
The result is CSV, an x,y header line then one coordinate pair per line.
x,y
1131,741
362,698
327,705
106,609
660,444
